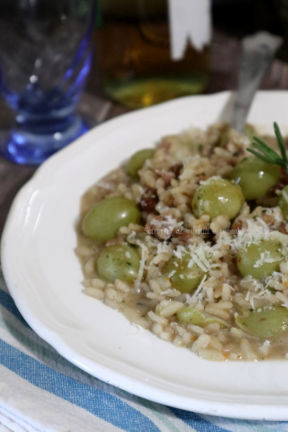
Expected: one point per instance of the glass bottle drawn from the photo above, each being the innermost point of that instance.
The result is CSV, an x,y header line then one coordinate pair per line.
x,y
136,65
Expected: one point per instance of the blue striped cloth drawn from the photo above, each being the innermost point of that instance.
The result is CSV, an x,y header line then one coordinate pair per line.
x,y
41,391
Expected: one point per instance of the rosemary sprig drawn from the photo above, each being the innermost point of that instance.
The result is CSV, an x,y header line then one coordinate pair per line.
x,y
260,149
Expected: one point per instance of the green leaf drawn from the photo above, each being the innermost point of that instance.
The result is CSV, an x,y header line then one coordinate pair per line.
x,y
280,141
265,149
262,151
277,161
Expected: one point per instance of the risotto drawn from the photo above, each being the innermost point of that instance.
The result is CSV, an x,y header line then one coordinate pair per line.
x,y
190,240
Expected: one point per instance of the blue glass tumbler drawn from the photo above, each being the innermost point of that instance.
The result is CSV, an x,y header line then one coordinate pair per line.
x,y
45,57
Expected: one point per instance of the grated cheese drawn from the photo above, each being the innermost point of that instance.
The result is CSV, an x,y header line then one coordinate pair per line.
x,y
210,180
265,257
172,274
250,280
201,255
144,256
273,280
197,293
162,247
180,251
196,260
259,290
168,222
275,212
255,231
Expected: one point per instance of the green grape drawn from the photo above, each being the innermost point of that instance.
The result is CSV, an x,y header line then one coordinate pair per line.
x,y
191,315
118,262
136,162
218,197
265,322
103,221
260,259
255,177
183,276
283,202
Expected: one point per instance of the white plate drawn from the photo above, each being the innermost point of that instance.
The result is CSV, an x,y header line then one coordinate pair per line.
x,y
44,276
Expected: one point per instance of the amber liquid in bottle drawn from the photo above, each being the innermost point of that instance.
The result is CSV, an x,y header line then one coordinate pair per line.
x,y
134,58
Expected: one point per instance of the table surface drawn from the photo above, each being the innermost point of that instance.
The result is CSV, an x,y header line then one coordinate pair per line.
x,y
226,54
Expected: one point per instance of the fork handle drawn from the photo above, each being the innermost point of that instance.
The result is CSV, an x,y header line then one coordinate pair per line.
x,y
258,53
